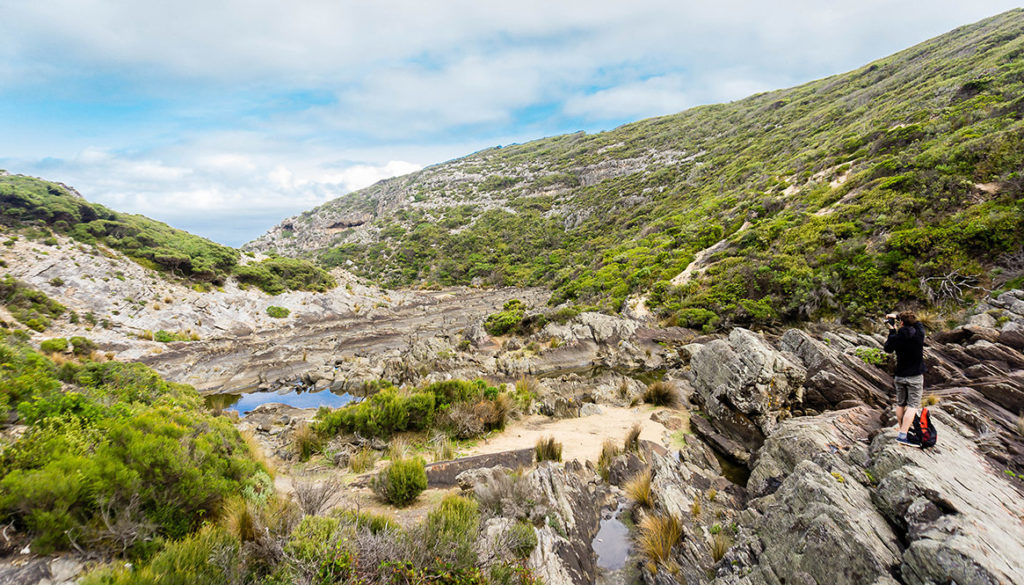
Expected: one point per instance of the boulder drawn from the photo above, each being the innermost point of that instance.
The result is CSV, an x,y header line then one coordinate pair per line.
x,y
743,381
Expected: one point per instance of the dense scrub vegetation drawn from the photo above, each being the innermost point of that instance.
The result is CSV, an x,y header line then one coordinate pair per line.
x,y
462,408
899,182
276,275
117,460
41,206
277,545
30,306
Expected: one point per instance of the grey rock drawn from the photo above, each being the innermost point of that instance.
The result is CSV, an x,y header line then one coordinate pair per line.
x,y
589,409
949,504
745,376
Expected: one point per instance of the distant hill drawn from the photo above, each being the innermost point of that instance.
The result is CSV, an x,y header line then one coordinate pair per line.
x,y
38,208
899,182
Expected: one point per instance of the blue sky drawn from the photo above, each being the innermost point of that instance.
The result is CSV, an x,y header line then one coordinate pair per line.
x,y
225,117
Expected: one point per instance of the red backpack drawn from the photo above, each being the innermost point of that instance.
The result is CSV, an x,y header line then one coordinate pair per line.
x,y
922,432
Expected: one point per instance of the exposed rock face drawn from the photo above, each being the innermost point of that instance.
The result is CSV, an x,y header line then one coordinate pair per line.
x,y
821,517
743,383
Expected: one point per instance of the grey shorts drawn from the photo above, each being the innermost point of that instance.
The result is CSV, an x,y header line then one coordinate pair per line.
x,y
909,390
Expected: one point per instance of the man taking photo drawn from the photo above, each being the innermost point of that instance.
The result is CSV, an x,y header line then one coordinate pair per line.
x,y
906,338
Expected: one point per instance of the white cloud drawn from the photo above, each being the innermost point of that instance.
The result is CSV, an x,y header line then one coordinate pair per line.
x,y
200,112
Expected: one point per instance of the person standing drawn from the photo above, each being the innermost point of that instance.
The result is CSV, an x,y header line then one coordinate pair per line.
x,y
906,338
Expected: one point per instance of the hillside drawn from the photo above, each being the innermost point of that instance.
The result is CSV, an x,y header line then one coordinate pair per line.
x,y
38,209
898,182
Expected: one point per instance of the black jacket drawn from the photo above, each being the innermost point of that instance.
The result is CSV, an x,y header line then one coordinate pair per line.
x,y
908,343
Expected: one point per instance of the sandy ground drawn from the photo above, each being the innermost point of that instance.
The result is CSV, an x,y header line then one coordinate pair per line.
x,y
581,438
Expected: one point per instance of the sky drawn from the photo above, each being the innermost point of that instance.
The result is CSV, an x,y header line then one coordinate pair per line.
x,y
223,117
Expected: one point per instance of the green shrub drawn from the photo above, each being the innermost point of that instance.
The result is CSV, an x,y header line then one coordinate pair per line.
x,y
56,345
82,345
278,312
522,539
450,531
548,449
29,306
190,560
871,355
121,444
508,318
401,482
277,275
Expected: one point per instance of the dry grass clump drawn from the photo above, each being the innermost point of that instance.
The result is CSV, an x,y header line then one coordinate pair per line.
x,y
695,508
656,535
398,448
548,449
638,489
609,451
443,447
313,497
306,442
632,442
362,460
720,544
660,393
251,521
930,400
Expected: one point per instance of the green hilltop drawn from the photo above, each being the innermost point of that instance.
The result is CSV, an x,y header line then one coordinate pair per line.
x,y
39,208
896,183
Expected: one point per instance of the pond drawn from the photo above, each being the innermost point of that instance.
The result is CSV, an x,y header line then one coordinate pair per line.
x,y
295,397
612,541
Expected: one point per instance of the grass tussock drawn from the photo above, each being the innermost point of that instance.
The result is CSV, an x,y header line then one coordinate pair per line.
x,y
695,508
930,400
638,489
443,448
548,449
661,393
656,535
306,442
720,544
609,451
398,448
632,442
362,460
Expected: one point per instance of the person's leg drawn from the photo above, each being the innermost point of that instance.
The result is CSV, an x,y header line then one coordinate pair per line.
x,y
900,386
914,390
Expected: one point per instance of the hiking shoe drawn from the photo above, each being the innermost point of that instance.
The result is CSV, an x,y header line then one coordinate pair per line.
x,y
905,442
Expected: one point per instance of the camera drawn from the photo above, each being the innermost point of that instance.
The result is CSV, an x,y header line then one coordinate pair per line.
x,y
890,320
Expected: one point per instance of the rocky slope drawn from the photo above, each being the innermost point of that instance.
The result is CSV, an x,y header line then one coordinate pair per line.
x,y
896,181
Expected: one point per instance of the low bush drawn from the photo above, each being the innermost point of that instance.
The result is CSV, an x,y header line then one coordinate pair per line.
x,y
117,459
467,410
401,482
82,345
522,539
450,531
548,449
278,312
56,345
508,318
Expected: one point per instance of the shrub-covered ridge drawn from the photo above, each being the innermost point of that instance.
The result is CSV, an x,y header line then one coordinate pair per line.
x,y
896,182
